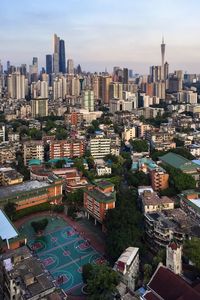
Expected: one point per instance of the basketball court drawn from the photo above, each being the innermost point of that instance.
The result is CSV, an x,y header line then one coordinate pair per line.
x,y
63,252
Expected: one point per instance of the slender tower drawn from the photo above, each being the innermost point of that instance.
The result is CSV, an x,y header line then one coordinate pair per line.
x,y
162,57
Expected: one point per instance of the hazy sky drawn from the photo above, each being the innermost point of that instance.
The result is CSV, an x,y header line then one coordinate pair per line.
x,y
103,33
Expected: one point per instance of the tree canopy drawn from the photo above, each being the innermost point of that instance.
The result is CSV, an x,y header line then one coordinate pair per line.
x,y
123,232
39,225
191,249
10,209
102,282
139,145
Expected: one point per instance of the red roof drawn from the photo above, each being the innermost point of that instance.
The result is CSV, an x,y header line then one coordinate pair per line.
x,y
170,286
150,296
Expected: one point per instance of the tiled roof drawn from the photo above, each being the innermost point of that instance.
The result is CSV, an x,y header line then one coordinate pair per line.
x,y
170,286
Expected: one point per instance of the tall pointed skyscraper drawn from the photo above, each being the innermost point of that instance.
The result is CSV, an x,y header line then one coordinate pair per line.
x,y
162,58
56,44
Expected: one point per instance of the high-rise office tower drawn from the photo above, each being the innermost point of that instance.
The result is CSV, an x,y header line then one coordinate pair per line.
x,y
56,45
125,76
8,66
166,70
62,61
162,58
49,64
70,66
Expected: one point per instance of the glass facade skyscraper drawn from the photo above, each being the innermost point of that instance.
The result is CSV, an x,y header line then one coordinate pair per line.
x,y
49,66
62,61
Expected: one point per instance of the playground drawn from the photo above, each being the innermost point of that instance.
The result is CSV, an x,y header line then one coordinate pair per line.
x,y
63,251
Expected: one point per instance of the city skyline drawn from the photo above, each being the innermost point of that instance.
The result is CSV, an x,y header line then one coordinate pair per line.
x,y
103,34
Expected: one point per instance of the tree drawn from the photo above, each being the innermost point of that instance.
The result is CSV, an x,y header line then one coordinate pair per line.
x,y
71,212
102,282
10,209
147,273
137,178
87,272
123,232
191,250
40,225
139,145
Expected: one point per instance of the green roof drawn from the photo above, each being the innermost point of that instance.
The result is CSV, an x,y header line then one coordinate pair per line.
x,y
178,162
101,197
103,184
36,162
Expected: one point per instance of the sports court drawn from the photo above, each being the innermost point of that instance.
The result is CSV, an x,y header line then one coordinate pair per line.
x,y
62,251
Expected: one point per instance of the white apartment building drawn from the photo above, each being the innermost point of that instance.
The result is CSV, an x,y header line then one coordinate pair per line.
x,y
99,147
129,133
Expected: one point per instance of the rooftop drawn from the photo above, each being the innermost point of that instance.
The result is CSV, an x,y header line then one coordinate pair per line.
x,y
21,188
101,197
169,286
178,162
7,231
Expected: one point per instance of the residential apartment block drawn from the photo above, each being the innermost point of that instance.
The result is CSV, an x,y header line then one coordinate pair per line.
x,y
98,199
100,147
66,148
33,150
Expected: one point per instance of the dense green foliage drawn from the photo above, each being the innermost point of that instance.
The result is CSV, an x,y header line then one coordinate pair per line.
x,y
123,225
179,180
40,225
58,208
191,250
30,210
10,209
102,282
139,145
87,272
138,178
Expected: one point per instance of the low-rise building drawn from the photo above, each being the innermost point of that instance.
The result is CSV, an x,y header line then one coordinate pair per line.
x,y
98,199
176,224
9,176
9,236
72,179
151,202
7,153
32,193
23,276
159,179
102,168
164,284
181,163
127,266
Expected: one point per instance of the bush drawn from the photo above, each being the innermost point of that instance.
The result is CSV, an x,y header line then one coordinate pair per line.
x,y
30,210
87,272
58,208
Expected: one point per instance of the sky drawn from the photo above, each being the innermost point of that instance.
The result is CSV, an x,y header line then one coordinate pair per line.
x,y
101,34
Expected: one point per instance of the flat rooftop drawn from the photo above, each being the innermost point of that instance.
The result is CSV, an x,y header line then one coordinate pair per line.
x,y
22,187
7,231
195,202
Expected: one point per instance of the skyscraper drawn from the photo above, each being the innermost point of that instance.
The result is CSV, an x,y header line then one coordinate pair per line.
x,y
62,62
70,66
162,58
49,64
56,45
